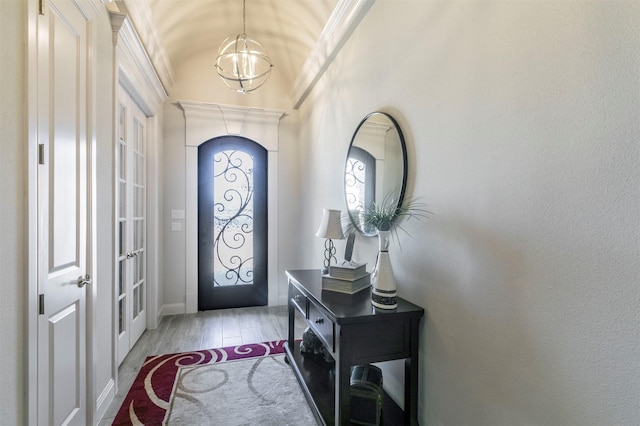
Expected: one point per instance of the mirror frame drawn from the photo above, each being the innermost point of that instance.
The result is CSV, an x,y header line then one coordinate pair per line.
x,y
405,164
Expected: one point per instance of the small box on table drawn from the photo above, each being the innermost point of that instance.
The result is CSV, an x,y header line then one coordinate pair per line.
x,y
344,285
348,270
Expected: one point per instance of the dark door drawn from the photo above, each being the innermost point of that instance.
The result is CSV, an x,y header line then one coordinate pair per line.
x,y
232,223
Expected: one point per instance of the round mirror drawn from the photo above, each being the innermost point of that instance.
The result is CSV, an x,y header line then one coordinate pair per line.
x,y
376,167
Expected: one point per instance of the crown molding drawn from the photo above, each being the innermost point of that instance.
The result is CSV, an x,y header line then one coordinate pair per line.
x,y
139,12
136,71
205,120
341,24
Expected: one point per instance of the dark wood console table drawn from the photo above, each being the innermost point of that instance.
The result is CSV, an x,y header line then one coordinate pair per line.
x,y
355,333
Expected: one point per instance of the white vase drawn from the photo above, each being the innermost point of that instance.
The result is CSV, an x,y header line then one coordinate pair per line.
x,y
383,293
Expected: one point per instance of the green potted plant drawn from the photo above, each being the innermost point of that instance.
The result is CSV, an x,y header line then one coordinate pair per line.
x,y
386,217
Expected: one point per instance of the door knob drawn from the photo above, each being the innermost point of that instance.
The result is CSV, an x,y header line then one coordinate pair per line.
x,y
82,281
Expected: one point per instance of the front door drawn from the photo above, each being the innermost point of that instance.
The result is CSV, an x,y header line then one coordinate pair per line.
x,y
63,214
232,223
131,227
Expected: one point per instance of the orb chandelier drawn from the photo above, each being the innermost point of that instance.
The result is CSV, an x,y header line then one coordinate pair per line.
x,y
242,62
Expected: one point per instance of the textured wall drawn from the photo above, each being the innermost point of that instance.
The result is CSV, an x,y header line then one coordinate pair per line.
x,y
12,212
522,127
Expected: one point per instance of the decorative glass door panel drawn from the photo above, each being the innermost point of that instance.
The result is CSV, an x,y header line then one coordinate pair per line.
x,y
359,182
232,212
232,218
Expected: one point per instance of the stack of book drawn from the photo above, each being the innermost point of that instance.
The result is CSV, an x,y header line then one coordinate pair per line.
x,y
347,278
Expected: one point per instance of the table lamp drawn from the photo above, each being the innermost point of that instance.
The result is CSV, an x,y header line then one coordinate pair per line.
x,y
331,229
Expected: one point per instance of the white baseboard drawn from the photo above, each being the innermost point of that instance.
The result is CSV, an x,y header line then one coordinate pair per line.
x,y
172,309
105,399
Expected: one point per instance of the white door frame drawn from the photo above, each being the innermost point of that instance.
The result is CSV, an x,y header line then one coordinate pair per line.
x,y
134,71
203,122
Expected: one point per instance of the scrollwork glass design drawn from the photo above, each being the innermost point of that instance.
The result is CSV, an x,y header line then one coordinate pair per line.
x,y
233,218
359,184
354,182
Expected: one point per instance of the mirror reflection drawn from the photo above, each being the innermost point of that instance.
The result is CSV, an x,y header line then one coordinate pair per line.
x,y
376,167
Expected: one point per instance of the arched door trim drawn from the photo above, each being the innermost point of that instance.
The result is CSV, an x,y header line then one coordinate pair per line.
x,y
206,121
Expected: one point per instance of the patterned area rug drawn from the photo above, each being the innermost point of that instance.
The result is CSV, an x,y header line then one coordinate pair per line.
x,y
203,387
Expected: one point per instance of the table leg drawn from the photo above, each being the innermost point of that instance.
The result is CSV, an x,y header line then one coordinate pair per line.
x,y
411,379
292,315
343,392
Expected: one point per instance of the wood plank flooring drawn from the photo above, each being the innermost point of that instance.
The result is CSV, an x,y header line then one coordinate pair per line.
x,y
202,330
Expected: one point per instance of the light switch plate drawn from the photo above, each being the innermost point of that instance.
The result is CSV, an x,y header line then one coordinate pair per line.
x,y
176,226
177,214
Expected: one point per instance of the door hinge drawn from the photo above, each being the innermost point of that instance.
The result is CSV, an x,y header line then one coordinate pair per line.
x,y
41,153
41,7
41,304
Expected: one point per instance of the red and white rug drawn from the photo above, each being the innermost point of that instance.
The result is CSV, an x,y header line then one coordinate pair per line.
x,y
150,395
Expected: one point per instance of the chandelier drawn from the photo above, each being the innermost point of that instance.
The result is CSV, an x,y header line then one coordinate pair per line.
x,y
242,62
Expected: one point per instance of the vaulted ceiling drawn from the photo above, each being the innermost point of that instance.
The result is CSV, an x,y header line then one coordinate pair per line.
x,y
287,28
300,36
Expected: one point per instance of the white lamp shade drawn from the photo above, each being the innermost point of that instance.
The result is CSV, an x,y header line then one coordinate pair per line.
x,y
330,226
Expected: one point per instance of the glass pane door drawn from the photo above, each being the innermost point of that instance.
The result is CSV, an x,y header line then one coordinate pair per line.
x,y
131,223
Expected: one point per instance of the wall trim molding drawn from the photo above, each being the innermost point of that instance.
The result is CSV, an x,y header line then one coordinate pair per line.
x,y
204,121
136,72
343,21
173,309
104,399
140,15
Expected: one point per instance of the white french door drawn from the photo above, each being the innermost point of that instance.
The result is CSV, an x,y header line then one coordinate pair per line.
x,y
131,284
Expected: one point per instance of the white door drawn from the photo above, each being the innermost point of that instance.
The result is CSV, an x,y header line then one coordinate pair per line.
x,y
62,214
131,227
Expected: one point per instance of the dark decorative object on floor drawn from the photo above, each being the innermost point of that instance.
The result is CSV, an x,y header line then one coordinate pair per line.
x,y
312,345
366,395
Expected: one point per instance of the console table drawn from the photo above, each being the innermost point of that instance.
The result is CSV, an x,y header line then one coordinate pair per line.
x,y
355,333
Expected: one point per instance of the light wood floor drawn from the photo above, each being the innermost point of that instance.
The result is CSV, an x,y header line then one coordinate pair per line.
x,y
202,330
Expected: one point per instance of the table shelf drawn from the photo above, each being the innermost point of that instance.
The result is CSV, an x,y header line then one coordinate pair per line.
x,y
351,331
317,379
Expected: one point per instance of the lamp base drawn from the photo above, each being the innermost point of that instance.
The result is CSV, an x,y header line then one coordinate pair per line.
x,y
329,253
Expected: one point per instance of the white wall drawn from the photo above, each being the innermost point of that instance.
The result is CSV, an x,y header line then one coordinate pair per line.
x,y
12,212
521,121
174,268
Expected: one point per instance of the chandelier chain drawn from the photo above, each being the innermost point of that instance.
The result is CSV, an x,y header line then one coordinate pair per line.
x,y
244,17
